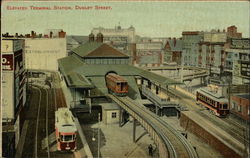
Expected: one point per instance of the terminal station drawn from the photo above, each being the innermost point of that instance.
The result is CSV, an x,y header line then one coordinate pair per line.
x,y
85,69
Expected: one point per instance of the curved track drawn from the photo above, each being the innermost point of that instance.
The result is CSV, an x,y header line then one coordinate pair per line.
x,y
235,129
169,141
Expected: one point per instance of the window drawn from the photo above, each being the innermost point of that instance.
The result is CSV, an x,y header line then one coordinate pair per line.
x,y
239,108
113,114
224,106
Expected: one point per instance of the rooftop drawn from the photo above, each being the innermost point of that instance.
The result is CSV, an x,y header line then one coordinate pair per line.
x,y
97,49
245,96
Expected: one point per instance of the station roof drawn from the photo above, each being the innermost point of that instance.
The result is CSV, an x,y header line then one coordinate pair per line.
x,y
78,73
98,49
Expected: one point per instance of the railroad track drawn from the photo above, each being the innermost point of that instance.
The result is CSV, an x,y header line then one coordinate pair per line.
x,y
41,122
175,144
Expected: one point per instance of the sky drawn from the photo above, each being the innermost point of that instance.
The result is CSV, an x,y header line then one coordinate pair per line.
x,y
152,19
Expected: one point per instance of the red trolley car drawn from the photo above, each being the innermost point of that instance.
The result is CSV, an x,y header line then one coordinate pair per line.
x,y
65,130
116,84
217,104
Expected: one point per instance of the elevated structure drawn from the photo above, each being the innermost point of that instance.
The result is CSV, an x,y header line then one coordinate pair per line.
x,y
89,63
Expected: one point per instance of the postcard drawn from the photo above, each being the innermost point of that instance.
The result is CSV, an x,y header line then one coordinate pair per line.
x,y
135,78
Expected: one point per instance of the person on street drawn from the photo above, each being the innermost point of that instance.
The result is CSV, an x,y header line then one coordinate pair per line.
x,y
150,150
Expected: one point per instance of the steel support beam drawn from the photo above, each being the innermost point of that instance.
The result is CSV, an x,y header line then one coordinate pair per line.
x,y
134,129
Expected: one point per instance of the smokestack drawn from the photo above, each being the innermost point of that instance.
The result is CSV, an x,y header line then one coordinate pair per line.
x,y
50,34
174,42
62,34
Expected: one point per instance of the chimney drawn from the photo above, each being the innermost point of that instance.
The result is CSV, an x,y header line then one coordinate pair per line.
x,y
32,34
50,34
99,37
91,37
62,34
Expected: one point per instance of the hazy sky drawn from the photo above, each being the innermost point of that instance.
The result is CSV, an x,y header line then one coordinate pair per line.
x,y
155,19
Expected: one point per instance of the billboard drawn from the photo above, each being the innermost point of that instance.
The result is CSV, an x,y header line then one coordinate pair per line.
x,y
7,62
243,43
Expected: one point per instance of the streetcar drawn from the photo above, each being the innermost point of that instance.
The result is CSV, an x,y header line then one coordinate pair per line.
x,y
65,130
116,84
218,105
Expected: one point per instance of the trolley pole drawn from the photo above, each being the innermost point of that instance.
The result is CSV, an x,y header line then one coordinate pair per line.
x,y
98,145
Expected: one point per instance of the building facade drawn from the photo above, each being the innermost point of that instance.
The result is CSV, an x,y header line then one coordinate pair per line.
x,y
238,57
173,51
190,47
240,106
118,37
42,53
14,93
149,53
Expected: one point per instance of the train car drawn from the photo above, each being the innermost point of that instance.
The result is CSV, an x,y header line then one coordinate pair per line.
x,y
65,130
116,84
217,104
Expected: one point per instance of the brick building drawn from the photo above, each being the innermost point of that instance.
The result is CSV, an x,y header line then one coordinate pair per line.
x,y
173,51
240,106
232,32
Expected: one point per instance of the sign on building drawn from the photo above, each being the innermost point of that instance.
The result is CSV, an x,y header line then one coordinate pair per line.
x,y
7,62
243,43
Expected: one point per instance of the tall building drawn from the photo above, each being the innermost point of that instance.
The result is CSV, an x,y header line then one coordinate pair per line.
x,y
149,53
42,53
190,47
13,93
237,60
120,38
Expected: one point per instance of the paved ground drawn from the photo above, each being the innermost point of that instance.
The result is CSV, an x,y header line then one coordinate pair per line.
x,y
117,142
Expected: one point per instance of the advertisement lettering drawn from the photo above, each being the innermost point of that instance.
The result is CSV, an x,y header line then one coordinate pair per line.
x,y
7,62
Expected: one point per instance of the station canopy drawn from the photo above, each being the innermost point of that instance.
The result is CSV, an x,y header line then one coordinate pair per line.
x,y
80,75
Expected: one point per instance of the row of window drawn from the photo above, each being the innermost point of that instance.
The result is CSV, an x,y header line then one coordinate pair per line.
x,y
211,102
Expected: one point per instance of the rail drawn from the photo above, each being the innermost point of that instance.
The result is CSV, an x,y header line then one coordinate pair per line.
x,y
169,141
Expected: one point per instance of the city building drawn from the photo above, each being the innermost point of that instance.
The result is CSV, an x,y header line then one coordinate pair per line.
x,y
43,53
240,106
190,47
118,37
232,32
173,51
237,62
149,53
13,93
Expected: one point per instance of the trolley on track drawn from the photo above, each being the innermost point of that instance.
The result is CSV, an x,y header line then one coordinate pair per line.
x,y
65,129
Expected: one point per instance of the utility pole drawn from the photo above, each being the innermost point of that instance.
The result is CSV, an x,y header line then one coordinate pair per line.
x,y
98,145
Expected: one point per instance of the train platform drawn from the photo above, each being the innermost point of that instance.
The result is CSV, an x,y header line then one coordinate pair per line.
x,y
212,135
85,151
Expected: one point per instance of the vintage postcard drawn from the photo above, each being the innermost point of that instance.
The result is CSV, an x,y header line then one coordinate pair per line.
x,y
132,79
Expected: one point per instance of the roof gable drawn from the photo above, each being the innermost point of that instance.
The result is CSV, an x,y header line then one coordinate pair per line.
x,y
97,49
106,51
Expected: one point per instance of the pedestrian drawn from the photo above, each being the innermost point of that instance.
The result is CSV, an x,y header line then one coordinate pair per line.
x,y
150,150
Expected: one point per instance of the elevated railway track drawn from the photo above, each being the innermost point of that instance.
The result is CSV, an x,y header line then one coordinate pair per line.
x,y
171,143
